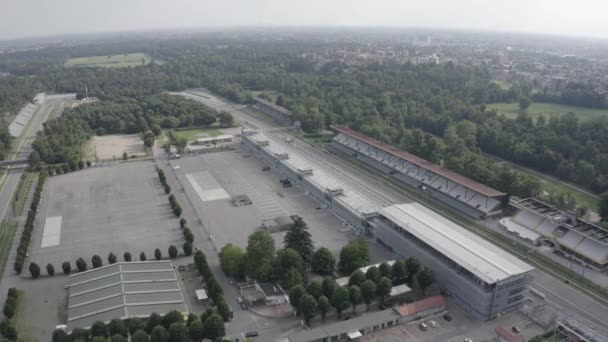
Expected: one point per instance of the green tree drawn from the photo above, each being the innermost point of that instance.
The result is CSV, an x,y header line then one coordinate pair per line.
x,y
59,335
295,294
368,292
187,247
135,324
178,332
355,296
232,259
373,274
323,262
225,119
142,336
111,258
96,261
384,288
10,305
260,253
524,103
386,270
172,252
142,256
158,254
328,285
286,260
323,306
159,334
426,277
314,289
50,270
399,271
127,256
214,327
353,256
99,339
413,266
117,326
195,329
293,278
66,267
357,278
603,211
8,330
339,300
125,156
118,338
307,306
34,270
171,317
99,329
299,239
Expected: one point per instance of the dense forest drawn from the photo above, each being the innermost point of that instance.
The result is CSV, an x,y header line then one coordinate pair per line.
x,y
62,139
435,111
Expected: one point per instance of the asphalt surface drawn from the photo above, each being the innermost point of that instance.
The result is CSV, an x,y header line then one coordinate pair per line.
x,y
562,298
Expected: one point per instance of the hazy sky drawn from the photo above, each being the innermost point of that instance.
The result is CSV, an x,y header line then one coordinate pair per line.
x,y
24,18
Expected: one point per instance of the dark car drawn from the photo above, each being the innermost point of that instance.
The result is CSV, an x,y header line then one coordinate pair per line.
x,y
243,306
447,317
252,334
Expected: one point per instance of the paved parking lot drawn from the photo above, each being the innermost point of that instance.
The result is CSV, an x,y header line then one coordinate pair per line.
x,y
101,210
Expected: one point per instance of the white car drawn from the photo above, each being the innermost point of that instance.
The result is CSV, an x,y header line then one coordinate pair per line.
x,y
432,323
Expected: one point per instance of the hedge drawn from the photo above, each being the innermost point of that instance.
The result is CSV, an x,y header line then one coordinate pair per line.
x,y
26,235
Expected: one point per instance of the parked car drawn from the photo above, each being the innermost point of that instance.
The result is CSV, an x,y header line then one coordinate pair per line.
x,y
239,300
252,334
432,323
515,329
243,306
447,317
423,327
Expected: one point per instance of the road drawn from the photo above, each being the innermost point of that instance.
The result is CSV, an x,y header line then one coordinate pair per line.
x,y
561,297
23,146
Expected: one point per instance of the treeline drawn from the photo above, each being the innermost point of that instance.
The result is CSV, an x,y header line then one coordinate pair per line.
x,y
575,94
62,138
26,235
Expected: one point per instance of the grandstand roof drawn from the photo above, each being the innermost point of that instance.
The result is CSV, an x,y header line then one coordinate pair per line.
x,y
423,163
478,256
122,290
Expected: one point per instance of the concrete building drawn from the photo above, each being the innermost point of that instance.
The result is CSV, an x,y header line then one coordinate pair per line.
x,y
422,308
123,290
350,329
462,193
278,113
480,277
586,242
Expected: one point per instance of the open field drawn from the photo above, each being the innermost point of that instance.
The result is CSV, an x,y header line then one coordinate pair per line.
x,y
101,210
111,147
548,109
111,61
193,134
7,233
502,84
23,189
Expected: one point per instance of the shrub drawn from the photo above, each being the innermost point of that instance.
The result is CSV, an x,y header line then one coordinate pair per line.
x,y
34,270
66,267
183,223
142,256
96,261
127,256
50,270
111,258
187,247
81,265
157,254
172,252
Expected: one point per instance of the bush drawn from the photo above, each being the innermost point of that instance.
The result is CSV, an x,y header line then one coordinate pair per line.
x,y
81,265
183,223
66,267
89,163
9,307
34,270
167,189
111,258
96,261
187,247
188,236
157,254
172,252
142,256
12,292
50,270
8,330
177,210
80,164
127,256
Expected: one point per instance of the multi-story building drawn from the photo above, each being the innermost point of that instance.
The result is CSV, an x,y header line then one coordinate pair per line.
x,y
485,280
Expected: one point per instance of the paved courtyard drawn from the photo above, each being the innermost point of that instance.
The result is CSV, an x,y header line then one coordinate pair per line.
x,y
101,210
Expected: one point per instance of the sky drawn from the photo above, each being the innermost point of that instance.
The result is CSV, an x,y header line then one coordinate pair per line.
x,y
29,18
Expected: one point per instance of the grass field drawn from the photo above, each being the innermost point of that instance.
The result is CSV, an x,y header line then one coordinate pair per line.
x,y
21,321
502,84
25,184
193,134
548,109
7,232
111,61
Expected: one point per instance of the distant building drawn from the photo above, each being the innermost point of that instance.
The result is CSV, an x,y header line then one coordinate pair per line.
x,y
422,308
483,279
278,113
220,139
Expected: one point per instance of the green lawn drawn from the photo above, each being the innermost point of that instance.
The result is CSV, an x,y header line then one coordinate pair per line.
x,y
548,109
7,232
21,321
193,134
502,84
111,61
25,184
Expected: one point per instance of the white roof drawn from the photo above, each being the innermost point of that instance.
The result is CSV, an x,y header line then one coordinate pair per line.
x,y
219,137
201,294
478,256
354,334
399,290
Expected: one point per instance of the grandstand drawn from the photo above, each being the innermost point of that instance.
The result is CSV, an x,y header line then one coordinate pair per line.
x,y
278,113
460,192
581,239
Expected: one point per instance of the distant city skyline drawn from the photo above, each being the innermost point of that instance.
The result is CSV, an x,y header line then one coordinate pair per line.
x,y
31,18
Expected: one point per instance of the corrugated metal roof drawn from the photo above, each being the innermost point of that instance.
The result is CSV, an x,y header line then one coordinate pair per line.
x,y
480,257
